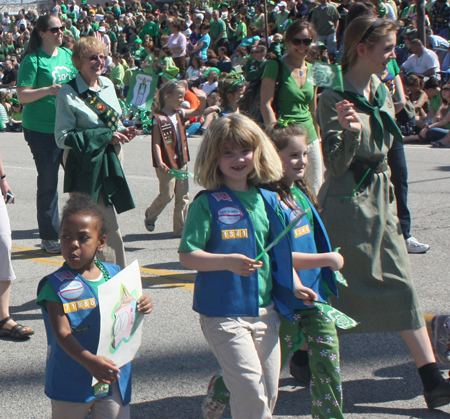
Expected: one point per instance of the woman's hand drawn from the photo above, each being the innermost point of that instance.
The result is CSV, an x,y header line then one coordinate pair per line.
x,y
119,138
199,93
131,132
145,304
348,117
424,131
53,89
4,187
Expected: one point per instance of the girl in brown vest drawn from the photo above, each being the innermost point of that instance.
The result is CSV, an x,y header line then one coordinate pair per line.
x,y
170,151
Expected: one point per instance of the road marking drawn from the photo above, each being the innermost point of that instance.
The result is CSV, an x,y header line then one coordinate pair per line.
x,y
170,279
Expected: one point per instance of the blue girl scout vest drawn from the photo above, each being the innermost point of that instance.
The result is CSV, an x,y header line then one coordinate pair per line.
x,y
226,294
65,379
303,241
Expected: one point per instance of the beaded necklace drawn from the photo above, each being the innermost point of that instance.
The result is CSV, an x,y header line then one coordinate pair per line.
x,y
100,266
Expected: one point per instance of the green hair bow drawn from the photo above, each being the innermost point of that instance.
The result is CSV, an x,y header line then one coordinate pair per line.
x,y
285,122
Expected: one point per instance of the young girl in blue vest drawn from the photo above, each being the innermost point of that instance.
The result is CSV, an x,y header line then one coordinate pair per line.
x,y
170,151
313,259
73,335
228,225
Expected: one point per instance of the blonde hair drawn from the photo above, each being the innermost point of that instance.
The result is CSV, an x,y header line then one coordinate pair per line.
x,y
236,131
82,46
360,31
166,89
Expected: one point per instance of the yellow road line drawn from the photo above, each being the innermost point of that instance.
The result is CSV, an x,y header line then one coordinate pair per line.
x,y
171,279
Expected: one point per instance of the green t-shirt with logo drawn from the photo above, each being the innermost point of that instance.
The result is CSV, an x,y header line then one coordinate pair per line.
x,y
197,230
42,70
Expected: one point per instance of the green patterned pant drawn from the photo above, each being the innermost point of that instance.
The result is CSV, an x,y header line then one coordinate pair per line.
x,y
323,353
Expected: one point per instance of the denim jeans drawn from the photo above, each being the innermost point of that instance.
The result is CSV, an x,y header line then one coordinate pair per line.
x,y
399,178
436,134
47,158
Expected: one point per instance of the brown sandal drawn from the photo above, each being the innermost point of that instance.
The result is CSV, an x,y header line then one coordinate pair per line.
x,y
17,331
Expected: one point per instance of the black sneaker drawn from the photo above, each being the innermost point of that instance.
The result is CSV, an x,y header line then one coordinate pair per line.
x,y
440,396
300,373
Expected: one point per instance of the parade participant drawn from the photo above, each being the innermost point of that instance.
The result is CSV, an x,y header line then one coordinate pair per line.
x,y
228,225
297,97
73,336
170,151
231,90
43,70
8,327
312,265
91,134
359,204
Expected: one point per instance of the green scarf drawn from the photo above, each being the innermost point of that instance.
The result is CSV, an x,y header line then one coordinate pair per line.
x,y
379,119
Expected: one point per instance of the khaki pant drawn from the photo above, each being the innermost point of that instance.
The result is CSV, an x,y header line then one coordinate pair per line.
x,y
108,407
168,188
248,350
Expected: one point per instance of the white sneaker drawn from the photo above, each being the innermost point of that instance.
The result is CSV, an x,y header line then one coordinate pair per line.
x,y
414,246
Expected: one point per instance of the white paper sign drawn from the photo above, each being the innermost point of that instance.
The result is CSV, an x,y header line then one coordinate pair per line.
x,y
120,322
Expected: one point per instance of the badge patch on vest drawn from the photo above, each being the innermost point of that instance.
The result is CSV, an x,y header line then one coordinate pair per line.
x,y
221,196
295,214
79,305
302,231
229,215
72,290
62,276
235,234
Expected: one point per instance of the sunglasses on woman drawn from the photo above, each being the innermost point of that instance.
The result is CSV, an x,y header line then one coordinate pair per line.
x,y
96,57
299,41
56,29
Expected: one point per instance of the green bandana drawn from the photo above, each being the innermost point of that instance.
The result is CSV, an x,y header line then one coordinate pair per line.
x,y
379,119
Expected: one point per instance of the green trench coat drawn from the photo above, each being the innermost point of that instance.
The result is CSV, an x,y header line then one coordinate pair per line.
x,y
380,294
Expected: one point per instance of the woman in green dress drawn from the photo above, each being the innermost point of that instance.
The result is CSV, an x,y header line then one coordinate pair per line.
x,y
296,96
359,208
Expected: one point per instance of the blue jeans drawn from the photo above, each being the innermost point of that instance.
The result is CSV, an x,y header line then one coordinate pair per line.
x,y
47,158
399,178
436,134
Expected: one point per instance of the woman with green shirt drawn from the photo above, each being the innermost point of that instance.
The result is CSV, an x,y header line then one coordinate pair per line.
x,y
297,97
45,67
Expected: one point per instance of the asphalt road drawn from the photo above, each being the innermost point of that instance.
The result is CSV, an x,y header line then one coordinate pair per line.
x,y
172,373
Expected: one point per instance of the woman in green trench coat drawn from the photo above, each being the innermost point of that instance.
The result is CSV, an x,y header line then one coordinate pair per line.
x,y
359,209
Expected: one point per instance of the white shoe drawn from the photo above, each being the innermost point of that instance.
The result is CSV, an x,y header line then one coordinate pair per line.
x,y
414,246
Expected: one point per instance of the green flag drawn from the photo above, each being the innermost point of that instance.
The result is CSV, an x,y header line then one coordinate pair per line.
x,y
142,91
340,319
289,227
326,75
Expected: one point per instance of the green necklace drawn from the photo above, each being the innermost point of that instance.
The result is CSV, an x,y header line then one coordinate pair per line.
x,y
100,266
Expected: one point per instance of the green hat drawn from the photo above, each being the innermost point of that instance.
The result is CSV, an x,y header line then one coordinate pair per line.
x,y
14,101
224,4
83,1
211,69
94,26
138,41
322,45
271,3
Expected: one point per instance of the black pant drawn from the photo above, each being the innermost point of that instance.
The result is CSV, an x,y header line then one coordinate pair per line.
x,y
399,178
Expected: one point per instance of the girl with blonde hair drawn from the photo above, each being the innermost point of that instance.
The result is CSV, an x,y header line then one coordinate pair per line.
x,y
228,225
